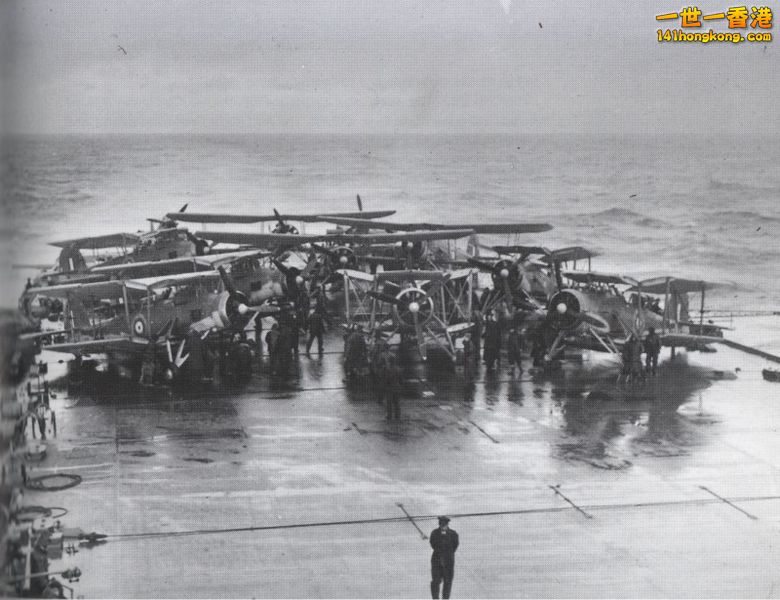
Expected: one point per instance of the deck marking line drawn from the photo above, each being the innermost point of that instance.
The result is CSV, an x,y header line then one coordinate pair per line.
x,y
411,520
731,504
559,493
525,511
485,433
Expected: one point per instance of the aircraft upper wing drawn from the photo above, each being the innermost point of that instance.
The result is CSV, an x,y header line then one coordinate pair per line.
x,y
102,289
233,218
570,253
260,240
149,283
476,227
594,277
101,241
657,285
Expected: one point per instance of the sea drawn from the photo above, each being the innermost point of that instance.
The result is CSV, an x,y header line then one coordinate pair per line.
x,y
650,205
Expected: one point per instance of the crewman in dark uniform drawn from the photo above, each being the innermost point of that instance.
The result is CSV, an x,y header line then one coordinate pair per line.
x,y
316,330
271,342
284,348
492,341
355,352
390,378
469,358
539,347
514,350
293,325
476,339
444,542
302,306
630,355
652,346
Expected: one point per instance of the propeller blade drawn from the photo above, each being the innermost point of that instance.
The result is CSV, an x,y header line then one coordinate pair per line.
x,y
227,280
278,218
285,270
168,348
180,356
359,203
183,208
418,332
165,332
310,265
265,310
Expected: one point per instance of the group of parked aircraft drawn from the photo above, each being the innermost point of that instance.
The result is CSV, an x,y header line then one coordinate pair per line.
x,y
140,296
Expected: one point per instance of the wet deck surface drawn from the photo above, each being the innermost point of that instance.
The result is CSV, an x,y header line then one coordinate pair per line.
x,y
309,476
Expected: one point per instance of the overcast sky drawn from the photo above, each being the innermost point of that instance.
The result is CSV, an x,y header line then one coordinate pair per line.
x,y
376,66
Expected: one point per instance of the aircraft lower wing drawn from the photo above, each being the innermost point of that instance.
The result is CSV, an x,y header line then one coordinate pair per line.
x,y
687,339
104,289
459,328
260,240
390,238
264,240
110,344
353,274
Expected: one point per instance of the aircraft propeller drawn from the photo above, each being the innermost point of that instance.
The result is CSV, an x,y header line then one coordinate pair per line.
x,y
238,306
282,226
293,278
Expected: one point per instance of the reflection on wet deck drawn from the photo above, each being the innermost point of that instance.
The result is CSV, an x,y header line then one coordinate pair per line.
x,y
561,484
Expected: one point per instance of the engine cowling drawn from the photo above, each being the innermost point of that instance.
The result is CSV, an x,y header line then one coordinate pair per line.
x,y
413,301
343,257
569,309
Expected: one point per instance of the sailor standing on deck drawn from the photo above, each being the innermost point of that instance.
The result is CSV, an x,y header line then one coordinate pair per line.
x,y
492,341
469,357
444,542
514,350
652,345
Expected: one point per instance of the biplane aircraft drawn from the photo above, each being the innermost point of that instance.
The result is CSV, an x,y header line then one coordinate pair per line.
x,y
428,308
435,255
166,241
343,250
136,321
36,305
282,225
525,277
600,311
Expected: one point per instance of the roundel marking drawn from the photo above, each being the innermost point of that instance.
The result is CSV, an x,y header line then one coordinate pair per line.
x,y
139,326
